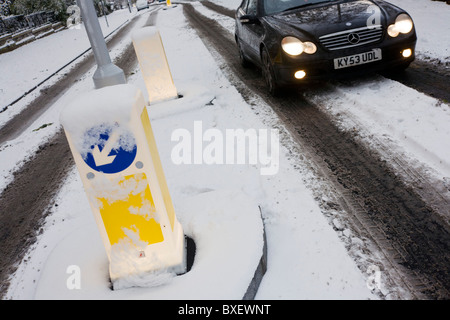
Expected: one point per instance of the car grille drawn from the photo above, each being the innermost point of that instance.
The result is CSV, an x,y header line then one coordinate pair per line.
x,y
352,38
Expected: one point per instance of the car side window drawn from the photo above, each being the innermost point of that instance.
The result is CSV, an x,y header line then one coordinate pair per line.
x,y
251,9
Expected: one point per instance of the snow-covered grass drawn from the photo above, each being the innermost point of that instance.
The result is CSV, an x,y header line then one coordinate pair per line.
x,y
306,257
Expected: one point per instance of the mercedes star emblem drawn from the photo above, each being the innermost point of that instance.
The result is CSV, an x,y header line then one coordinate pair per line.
x,y
353,38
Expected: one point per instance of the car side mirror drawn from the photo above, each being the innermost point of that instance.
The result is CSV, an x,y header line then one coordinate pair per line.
x,y
249,19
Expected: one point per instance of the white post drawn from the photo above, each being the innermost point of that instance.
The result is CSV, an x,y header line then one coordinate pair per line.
x,y
154,65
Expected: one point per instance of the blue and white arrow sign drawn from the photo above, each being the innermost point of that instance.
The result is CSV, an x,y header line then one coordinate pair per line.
x,y
107,155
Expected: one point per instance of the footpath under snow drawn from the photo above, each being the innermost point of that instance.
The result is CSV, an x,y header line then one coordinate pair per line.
x,y
307,258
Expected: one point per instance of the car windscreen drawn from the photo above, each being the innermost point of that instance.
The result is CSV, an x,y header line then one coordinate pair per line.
x,y
276,6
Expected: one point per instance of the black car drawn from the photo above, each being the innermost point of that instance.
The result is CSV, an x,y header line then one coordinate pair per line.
x,y
296,41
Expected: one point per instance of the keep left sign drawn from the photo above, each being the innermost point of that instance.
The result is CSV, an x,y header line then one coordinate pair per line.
x,y
112,152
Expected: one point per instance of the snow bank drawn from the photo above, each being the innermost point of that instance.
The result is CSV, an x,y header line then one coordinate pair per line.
x,y
418,124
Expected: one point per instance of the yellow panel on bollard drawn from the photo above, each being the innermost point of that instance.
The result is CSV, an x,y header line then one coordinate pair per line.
x,y
153,64
112,142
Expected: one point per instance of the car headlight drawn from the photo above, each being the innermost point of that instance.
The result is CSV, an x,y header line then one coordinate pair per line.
x,y
296,47
403,24
310,47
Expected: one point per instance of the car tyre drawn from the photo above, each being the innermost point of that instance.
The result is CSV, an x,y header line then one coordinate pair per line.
x,y
397,70
269,74
402,67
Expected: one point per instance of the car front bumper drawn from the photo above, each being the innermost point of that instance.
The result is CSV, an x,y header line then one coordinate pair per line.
x,y
320,66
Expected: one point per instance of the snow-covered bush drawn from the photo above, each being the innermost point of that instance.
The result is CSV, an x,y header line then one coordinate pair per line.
x,y
58,7
5,7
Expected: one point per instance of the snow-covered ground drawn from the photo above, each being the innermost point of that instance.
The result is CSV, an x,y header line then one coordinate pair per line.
x,y
306,257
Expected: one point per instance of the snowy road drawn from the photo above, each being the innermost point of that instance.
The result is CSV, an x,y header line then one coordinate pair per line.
x,y
379,206
390,209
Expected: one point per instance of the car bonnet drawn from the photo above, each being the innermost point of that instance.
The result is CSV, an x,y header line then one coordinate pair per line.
x,y
324,19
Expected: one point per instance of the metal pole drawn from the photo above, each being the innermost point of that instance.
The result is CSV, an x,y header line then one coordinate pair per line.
x,y
107,74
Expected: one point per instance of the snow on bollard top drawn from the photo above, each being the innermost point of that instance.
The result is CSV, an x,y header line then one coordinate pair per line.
x,y
108,106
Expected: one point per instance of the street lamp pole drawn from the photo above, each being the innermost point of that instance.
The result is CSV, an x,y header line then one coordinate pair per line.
x,y
107,73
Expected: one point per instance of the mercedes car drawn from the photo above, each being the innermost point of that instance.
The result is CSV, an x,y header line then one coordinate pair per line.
x,y
299,41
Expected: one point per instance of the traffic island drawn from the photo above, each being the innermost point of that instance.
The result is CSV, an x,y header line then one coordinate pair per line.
x,y
228,233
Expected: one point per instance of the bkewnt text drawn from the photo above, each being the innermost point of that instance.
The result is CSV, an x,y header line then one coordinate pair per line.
x,y
227,309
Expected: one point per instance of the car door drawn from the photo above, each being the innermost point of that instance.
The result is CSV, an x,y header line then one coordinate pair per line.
x,y
241,30
250,33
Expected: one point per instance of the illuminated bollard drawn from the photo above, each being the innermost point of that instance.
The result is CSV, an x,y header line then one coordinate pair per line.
x,y
112,142
153,64
169,3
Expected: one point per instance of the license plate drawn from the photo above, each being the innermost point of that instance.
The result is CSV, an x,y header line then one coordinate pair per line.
x,y
357,59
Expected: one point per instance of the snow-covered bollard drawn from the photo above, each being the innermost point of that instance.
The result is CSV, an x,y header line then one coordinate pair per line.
x,y
153,64
112,142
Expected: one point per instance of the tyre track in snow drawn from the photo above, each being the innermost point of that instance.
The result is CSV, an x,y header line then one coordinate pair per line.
x,y
409,237
426,78
26,201
219,9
